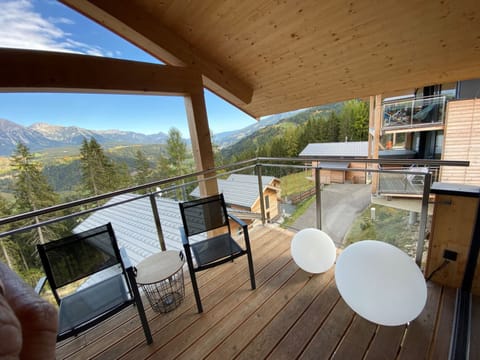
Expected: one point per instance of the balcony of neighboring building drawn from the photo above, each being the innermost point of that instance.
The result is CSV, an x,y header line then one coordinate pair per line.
x,y
424,113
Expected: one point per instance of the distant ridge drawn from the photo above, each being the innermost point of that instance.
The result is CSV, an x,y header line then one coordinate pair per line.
x,y
41,136
228,138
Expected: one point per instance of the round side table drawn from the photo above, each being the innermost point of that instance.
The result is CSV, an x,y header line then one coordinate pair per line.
x,y
161,278
380,282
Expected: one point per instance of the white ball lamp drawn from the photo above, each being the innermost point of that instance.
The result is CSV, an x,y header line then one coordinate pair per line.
x,y
380,282
313,250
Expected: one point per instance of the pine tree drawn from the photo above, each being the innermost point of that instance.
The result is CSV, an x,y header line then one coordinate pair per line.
x,y
31,188
32,192
353,121
172,162
5,242
176,150
98,173
143,170
123,179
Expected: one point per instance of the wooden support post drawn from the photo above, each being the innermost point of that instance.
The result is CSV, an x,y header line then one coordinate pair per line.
x,y
200,136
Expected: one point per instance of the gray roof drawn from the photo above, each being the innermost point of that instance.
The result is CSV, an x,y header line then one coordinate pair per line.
x,y
337,149
266,180
134,225
240,190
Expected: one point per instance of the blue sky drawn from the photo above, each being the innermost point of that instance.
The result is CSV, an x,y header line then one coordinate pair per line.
x,y
49,25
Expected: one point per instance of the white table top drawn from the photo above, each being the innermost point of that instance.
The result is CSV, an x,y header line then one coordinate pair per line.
x,y
380,282
159,266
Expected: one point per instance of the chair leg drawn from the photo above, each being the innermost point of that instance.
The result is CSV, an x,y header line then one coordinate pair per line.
x,y
251,270
140,308
193,278
250,259
195,290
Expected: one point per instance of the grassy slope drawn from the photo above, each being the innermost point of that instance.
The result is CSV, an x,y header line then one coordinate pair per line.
x,y
390,225
296,183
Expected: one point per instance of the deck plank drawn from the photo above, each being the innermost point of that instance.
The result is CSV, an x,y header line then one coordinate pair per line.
x,y
386,343
356,340
266,340
261,314
475,329
297,338
329,335
420,331
443,331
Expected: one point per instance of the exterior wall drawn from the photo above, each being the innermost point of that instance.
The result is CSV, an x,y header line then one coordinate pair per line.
x,y
356,177
462,142
273,209
340,176
336,176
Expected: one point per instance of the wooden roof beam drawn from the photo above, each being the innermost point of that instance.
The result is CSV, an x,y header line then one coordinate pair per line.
x,y
156,39
43,71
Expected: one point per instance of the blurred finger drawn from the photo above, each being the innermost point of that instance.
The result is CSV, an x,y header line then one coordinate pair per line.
x,y
10,330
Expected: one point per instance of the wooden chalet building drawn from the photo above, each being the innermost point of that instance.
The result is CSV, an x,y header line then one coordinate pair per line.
x,y
242,196
335,171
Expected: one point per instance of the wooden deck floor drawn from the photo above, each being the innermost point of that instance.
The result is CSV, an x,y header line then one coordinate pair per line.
x,y
290,315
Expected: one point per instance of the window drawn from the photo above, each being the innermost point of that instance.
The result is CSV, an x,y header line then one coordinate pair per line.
x,y
267,202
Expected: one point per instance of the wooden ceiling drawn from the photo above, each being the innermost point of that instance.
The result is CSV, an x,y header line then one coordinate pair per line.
x,y
273,56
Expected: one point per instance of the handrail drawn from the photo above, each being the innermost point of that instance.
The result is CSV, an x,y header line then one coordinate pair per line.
x,y
96,198
257,163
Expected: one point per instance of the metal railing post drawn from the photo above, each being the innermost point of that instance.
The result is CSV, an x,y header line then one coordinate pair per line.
x,y
260,191
156,218
318,198
423,218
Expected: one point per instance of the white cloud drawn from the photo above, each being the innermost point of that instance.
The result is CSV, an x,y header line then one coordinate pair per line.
x,y
22,27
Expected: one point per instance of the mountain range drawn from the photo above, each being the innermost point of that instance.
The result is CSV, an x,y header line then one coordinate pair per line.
x,y
41,136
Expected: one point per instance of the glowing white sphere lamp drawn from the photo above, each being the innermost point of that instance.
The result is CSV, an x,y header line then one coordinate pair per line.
x,y
313,250
380,282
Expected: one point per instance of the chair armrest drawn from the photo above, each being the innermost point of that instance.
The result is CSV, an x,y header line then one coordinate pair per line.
x,y
237,220
40,284
183,236
125,259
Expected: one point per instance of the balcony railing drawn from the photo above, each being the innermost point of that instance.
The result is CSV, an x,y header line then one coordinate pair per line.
x,y
75,212
416,113
404,181
328,216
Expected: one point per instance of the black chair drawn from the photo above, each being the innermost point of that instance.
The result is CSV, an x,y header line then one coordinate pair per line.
x,y
78,257
201,216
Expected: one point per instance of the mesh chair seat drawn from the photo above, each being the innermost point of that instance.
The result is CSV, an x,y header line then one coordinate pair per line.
x,y
202,216
88,304
216,248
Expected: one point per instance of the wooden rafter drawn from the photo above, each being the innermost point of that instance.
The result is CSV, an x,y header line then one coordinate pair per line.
x,y
151,35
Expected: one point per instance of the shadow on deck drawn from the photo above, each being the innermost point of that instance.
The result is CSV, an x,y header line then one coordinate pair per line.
x,y
290,315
